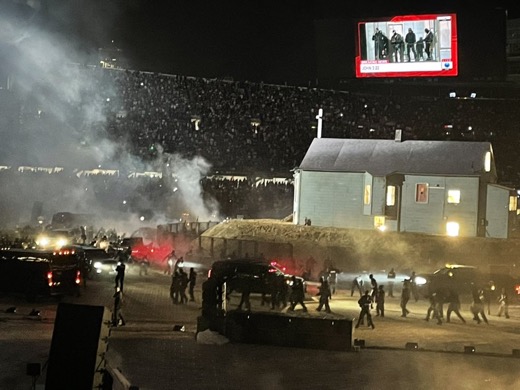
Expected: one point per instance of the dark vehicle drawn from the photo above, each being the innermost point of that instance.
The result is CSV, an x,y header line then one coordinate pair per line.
x,y
260,275
39,273
463,278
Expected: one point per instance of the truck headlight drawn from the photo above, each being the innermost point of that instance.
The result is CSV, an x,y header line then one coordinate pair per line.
x,y
420,281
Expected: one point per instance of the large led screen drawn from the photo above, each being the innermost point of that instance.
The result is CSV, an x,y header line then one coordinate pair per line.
x,y
407,46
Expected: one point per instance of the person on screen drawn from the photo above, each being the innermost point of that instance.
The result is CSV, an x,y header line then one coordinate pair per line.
x,y
397,46
410,44
419,46
428,41
380,44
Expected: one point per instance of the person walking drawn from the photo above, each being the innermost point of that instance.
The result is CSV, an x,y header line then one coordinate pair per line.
x,y
453,306
297,294
373,283
405,297
117,315
175,288
380,301
325,294
365,302
120,275
477,306
413,287
391,279
503,301
244,299
192,279
357,284
183,285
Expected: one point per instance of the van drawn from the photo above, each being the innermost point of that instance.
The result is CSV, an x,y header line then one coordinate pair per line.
x,y
39,273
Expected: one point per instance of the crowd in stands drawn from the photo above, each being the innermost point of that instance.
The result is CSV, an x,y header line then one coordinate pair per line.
x,y
256,129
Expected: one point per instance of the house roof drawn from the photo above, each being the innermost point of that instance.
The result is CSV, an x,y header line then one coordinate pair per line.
x,y
381,157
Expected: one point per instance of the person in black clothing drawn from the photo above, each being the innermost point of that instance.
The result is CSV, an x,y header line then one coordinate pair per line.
x,y
428,41
244,300
175,288
477,306
380,301
410,44
120,275
297,294
192,279
391,278
380,44
365,302
117,315
183,285
405,297
420,49
434,308
397,47
325,294
453,306
373,283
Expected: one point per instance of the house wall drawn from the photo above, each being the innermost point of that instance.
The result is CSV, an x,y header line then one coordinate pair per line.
x,y
497,213
431,217
333,199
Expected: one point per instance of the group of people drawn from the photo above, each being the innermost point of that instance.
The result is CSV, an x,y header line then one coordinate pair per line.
x,y
182,281
393,49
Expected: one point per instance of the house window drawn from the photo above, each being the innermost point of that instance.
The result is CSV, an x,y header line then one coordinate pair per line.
x,y
513,203
368,194
390,196
421,193
487,162
454,196
379,222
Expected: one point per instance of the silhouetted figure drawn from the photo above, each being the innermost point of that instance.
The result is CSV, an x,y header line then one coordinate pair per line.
x,y
365,302
477,306
117,315
357,284
405,297
297,294
391,278
244,299
453,306
183,285
503,301
120,275
373,283
380,301
325,294
192,278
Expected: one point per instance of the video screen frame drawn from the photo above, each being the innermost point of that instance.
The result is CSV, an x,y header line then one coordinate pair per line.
x,y
382,53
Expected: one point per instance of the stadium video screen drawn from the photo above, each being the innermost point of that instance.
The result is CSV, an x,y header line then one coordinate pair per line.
x,y
407,46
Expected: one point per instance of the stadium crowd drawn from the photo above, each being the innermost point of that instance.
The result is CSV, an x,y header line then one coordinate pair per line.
x,y
261,130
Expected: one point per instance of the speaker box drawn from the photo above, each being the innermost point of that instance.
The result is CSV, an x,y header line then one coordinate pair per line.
x,y
79,342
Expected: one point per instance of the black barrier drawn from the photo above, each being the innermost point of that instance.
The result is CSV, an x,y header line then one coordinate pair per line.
x,y
284,330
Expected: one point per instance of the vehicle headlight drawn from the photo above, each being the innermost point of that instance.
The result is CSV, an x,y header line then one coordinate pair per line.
x,y
43,241
98,264
61,242
420,281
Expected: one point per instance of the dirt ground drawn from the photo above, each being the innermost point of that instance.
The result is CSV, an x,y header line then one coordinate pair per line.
x,y
352,249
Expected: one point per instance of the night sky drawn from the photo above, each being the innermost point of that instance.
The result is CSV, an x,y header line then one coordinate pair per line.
x,y
272,41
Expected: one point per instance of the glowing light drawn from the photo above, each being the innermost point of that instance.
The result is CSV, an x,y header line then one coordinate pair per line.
x,y
452,229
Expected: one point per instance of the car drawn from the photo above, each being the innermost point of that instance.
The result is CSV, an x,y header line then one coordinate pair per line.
x,y
463,278
106,266
259,274
39,272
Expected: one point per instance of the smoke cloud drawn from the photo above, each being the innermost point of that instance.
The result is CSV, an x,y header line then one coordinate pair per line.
x,y
54,117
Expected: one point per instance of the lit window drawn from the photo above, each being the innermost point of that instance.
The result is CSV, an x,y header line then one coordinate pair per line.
x,y
513,203
452,229
421,193
368,194
487,162
454,196
390,196
379,223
